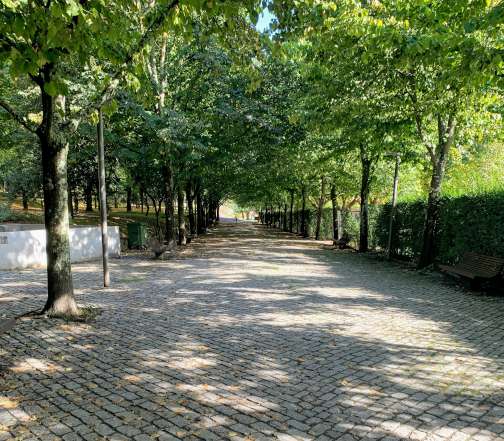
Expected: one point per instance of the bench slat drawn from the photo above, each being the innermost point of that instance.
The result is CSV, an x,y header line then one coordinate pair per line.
x,y
473,265
473,269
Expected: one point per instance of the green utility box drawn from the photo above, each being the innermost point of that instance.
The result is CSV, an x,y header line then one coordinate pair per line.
x,y
137,235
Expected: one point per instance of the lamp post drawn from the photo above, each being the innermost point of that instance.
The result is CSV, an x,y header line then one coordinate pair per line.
x,y
394,202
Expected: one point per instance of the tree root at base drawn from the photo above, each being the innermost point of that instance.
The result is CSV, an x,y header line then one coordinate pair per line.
x,y
84,314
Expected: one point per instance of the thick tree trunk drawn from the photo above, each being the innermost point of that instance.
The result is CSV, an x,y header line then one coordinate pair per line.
x,y
320,207
60,296
335,217
128,199
446,135
285,218
181,216
169,203
364,203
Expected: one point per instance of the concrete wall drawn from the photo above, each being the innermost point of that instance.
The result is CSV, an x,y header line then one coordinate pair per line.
x,y
26,248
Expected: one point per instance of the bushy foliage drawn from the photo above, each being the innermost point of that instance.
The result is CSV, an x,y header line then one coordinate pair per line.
x,y
407,229
5,212
467,223
349,220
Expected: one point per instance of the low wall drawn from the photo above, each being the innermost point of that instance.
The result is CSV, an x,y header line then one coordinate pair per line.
x,y
26,248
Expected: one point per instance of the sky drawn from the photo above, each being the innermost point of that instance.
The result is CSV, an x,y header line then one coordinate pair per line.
x,y
265,19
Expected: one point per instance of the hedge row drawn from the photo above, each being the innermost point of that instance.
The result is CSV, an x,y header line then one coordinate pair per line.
x,y
350,223
467,223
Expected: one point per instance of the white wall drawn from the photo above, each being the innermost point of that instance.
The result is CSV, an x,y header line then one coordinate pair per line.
x,y
23,249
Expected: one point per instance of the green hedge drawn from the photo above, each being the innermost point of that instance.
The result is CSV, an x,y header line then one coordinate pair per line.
x,y
407,230
467,223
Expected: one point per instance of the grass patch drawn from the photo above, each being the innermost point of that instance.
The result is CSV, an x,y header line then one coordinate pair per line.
x,y
87,314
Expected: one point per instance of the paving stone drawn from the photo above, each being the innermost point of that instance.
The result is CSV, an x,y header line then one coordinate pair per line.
x,y
253,334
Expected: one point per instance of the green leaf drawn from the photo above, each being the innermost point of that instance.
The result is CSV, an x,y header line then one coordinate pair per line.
x,y
51,88
73,8
8,4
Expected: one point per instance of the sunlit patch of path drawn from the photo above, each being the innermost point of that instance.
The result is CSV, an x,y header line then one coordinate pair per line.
x,y
254,334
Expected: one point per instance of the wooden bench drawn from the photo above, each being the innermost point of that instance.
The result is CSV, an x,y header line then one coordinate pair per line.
x,y
6,325
476,268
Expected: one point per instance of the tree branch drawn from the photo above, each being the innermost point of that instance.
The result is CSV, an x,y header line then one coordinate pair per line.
x,y
156,23
21,120
419,125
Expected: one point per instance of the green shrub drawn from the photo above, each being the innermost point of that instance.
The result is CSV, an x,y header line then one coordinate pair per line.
x,y
467,223
5,212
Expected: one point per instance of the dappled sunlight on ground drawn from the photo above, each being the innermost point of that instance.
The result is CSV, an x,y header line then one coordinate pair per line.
x,y
251,334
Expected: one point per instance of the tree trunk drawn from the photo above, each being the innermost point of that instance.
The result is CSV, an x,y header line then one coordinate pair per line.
x,y
200,215
285,218
88,195
69,202
190,209
181,216
320,207
102,185
364,203
157,213
206,212
169,203
446,135
335,217
60,296
25,201
303,212
128,199
291,213
76,201
298,222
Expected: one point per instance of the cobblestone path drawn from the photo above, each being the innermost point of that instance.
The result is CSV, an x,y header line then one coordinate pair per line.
x,y
255,335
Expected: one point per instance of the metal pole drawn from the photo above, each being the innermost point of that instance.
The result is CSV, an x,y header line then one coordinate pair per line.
x,y
392,208
103,199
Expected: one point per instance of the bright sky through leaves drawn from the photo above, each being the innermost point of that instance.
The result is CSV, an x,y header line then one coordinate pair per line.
x,y
265,19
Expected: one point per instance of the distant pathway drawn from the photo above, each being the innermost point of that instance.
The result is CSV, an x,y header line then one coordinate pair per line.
x,y
254,335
